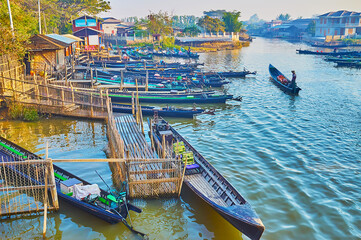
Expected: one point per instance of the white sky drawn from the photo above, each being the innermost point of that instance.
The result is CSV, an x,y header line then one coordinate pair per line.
x,y
266,9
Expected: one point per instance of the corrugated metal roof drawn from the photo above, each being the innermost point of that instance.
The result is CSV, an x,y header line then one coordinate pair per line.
x,y
61,38
341,13
73,37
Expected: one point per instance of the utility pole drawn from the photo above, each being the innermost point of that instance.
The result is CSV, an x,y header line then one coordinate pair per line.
x,y
39,17
11,18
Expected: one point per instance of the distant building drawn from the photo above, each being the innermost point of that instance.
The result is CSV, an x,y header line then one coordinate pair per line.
x,y
293,29
215,14
341,23
110,25
89,29
125,29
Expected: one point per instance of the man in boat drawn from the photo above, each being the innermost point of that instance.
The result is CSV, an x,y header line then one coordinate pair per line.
x,y
293,81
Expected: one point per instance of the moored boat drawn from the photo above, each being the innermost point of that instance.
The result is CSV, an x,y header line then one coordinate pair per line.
x,y
105,205
171,98
282,82
207,183
163,112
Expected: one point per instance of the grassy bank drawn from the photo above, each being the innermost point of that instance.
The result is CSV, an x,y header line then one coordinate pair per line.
x,y
21,112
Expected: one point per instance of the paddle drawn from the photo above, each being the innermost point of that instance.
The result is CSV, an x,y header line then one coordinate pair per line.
x,y
143,235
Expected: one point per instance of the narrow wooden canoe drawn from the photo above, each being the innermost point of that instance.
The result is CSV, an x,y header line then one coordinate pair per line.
x,y
206,182
163,112
275,75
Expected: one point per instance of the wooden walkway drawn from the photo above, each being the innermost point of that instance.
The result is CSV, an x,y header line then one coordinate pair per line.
x,y
134,142
148,175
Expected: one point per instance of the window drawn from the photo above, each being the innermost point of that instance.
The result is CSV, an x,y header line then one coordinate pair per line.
x,y
321,20
343,20
328,32
325,21
336,32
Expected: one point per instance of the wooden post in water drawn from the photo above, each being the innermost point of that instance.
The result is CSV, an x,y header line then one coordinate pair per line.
x,y
137,102
62,97
72,92
91,77
101,98
163,146
91,105
45,201
133,111
121,79
146,81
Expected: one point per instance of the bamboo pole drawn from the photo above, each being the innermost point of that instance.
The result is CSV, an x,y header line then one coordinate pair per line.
x,y
121,80
72,93
163,146
91,105
181,183
45,202
133,110
62,97
146,81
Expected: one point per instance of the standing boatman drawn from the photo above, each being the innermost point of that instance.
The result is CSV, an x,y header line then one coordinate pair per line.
x,y
293,81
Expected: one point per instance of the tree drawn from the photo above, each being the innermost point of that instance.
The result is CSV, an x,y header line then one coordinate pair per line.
x,y
284,17
231,22
211,24
192,31
160,23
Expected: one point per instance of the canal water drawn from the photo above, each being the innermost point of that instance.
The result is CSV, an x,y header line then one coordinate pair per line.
x,y
295,159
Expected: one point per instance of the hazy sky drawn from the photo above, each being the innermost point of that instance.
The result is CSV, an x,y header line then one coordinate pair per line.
x,y
266,9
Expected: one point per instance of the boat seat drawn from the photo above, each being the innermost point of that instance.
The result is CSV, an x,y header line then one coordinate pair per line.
x,y
192,166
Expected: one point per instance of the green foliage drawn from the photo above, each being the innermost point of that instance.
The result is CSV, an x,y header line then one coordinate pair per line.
x,y
56,16
31,115
160,23
19,112
24,26
211,24
168,42
231,22
192,31
16,111
184,21
284,17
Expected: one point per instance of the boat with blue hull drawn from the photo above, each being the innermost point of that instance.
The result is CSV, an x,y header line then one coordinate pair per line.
x,y
282,82
106,206
163,112
197,98
207,183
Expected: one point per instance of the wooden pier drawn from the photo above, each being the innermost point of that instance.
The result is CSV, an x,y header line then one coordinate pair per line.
x,y
148,176
37,92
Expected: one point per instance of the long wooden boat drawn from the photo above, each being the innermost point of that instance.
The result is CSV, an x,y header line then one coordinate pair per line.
x,y
354,64
107,207
160,98
177,55
207,183
286,86
163,112
350,53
